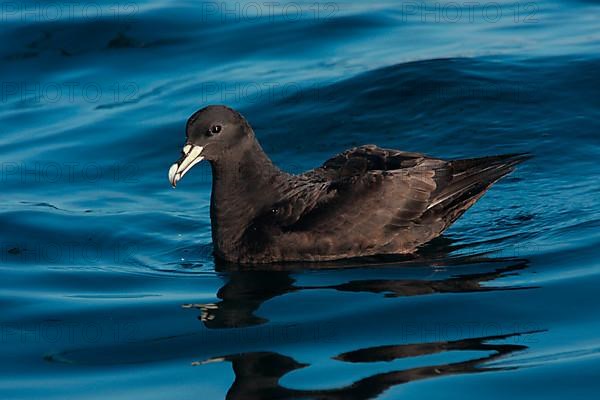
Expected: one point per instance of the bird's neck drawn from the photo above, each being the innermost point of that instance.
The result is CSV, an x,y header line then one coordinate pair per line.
x,y
245,183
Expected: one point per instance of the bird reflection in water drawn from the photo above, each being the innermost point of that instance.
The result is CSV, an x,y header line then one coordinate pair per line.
x,y
258,374
246,291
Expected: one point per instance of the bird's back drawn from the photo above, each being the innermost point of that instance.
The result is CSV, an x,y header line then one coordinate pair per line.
x,y
367,201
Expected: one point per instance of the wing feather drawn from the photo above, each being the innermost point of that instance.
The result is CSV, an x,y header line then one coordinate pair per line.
x,y
389,200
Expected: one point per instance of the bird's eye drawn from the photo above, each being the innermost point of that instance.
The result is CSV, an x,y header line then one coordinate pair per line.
x,y
215,129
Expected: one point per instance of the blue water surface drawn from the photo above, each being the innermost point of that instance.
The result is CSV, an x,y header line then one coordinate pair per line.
x,y
108,284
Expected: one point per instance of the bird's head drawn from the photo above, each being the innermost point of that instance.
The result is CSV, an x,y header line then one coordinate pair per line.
x,y
213,133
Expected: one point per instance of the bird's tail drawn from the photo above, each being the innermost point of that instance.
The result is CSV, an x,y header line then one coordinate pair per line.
x,y
471,178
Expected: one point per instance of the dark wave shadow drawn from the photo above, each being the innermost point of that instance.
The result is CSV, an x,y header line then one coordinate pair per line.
x,y
246,290
257,374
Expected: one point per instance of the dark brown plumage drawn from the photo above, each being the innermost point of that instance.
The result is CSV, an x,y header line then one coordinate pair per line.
x,y
364,201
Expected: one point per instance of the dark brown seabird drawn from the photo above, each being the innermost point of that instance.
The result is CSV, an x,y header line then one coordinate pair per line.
x,y
365,201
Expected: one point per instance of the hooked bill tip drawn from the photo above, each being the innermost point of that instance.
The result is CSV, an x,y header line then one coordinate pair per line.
x,y
191,156
173,175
